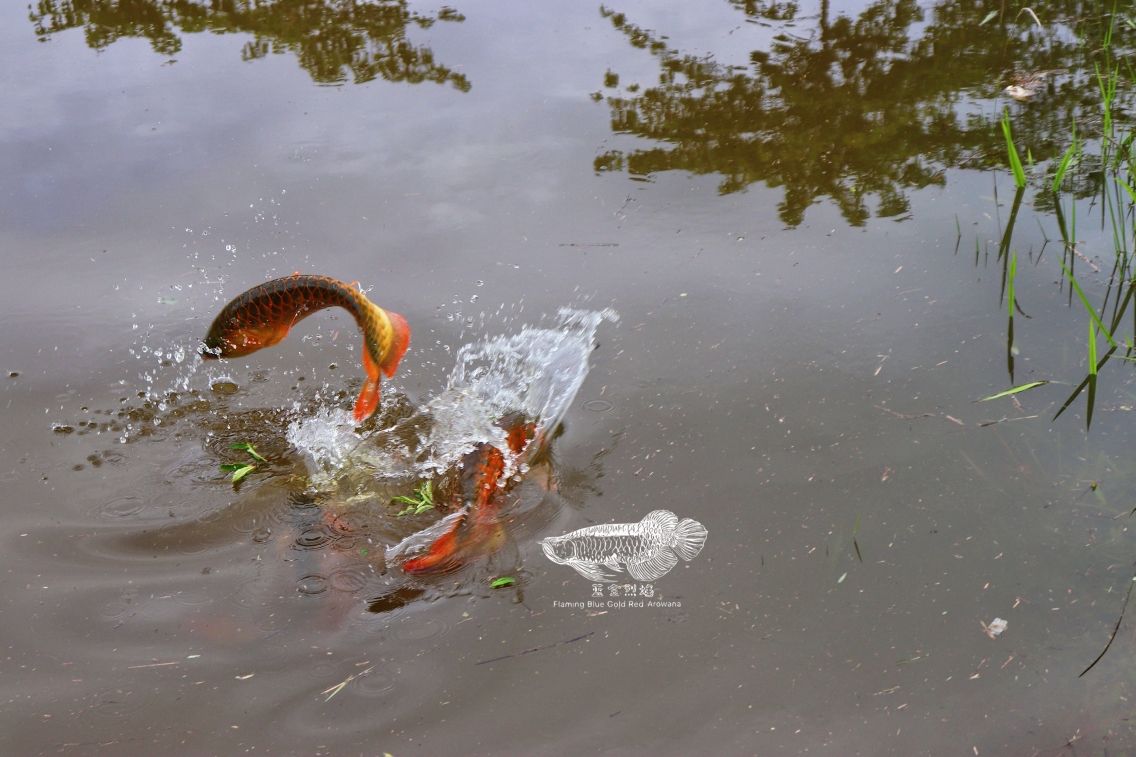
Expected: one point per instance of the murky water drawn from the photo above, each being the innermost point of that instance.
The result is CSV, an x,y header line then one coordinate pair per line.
x,y
797,211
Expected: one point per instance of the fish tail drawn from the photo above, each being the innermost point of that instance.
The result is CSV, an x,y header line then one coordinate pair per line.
x,y
689,538
400,341
368,400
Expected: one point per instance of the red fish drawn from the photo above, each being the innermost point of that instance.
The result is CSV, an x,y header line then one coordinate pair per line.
x,y
263,315
483,486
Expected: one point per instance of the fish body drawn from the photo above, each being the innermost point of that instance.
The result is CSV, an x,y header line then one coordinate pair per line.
x,y
483,486
647,549
263,316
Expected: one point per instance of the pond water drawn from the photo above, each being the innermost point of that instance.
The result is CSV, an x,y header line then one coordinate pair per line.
x,y
785,227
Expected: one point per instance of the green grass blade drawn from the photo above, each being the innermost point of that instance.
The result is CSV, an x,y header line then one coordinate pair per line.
x,y
1088,306
1010,282
1015,159
1063,166
1014,390
1092,349
498,583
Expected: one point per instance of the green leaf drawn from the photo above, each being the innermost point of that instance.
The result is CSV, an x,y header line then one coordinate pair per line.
x,y
1015,160
503,581
1085,301
987,18
1063,166
242,472
1015,390
1092,349
230,467
419,504
247,447
1010,285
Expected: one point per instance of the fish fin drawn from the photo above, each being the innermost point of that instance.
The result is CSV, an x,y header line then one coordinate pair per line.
x,y
399,344
664,519
368,401
689,538
590,571
440,553
652,566
612,563
466,538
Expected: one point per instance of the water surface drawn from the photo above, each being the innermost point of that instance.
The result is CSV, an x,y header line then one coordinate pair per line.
x,y
796,210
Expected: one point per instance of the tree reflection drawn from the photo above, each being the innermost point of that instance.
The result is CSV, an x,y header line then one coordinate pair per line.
x,y
331,38
859,108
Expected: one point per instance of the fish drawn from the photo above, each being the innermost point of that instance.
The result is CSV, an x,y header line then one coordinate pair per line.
x,y
263,316
647,549
477,527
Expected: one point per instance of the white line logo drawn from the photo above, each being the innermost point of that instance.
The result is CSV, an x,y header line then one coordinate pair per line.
x,y
648,549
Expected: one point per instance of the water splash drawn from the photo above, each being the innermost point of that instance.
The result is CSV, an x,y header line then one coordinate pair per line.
x,y
536,372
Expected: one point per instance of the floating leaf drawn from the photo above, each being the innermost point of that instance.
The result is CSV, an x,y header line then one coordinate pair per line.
x,y
247,447
242,471
503,581
1015,390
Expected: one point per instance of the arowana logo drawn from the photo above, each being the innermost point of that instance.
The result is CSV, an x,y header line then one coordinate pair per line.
x,y
647,549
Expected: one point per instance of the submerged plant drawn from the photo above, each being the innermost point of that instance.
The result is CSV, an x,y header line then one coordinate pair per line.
x,y
420,503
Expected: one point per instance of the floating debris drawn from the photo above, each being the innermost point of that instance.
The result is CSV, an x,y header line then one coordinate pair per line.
x,y
995,628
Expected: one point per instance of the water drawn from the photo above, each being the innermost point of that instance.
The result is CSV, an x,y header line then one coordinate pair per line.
x,y
797,211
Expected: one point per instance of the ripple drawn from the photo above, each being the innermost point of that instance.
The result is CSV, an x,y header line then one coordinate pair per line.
x,y
122,507
598,406
372,685
312,584
351,578
120,605
250,594
261,535
420,629
313,537
193,598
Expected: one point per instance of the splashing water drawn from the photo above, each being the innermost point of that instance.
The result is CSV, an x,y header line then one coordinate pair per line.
x,y
536,372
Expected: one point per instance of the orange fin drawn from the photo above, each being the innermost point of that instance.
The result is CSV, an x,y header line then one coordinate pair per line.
x,y
368,401
398,345
442,553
